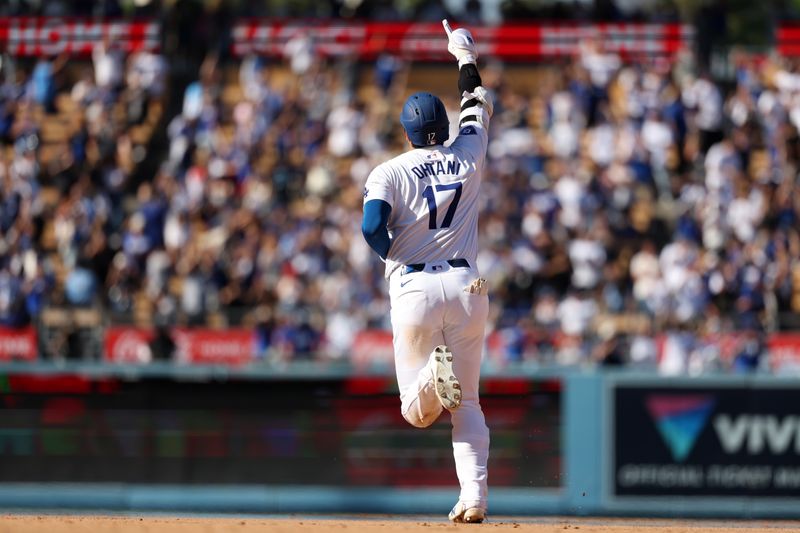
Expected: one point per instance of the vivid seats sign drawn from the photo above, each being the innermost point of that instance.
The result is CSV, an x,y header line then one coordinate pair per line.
x,y
233,347
427,41
44,36
735,440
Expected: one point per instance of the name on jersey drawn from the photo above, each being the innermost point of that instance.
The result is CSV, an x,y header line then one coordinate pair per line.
x,y
434,169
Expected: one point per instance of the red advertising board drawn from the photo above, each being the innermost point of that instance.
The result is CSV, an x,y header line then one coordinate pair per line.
x,y
784,350
234,347
18,344
787,39
426,41
44,36
128,345
221,347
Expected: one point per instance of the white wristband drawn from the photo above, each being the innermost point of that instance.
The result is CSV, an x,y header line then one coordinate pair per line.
x,y
467,59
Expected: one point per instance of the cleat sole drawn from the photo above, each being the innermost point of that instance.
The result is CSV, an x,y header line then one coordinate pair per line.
x,y
448,388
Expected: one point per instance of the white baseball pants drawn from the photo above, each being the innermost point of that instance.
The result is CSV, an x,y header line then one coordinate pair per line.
x,y
430,308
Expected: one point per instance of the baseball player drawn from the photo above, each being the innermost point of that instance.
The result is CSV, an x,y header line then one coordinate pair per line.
x,y
421,217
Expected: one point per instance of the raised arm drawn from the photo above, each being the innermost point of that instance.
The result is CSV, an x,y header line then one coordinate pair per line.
x,y
476,106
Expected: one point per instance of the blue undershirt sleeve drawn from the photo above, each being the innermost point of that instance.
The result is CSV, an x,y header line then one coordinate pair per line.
x,y
373,226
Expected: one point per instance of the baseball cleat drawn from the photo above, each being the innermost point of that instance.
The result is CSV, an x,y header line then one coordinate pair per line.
x,y
448,389
463,515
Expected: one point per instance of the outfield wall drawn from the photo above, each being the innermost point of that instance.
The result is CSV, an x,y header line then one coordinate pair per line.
x,y
305,439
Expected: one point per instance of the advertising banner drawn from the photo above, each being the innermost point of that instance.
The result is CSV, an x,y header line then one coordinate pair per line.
x,y
787,39
784,350
312,432
232,347
46,36
737,441
204,346
18,344
128,345
424,41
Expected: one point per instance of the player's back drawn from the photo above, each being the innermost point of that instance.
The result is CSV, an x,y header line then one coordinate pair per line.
x,y
434,193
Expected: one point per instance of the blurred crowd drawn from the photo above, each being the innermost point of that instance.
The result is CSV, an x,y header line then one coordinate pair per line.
x,y
638,208
631,208
71,142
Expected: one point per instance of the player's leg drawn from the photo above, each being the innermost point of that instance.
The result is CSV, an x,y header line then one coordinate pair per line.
x,y
419,403
416,326
465,323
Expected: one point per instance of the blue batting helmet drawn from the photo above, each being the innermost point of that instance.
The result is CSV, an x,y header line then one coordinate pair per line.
x,y
425,120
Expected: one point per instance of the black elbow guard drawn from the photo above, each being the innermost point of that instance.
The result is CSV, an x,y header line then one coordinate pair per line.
x,y
468,78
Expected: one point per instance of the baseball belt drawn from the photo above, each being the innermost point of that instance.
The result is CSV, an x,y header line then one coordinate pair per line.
x,y
419,267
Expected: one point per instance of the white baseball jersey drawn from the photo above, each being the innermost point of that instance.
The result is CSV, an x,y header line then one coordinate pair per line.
x,y
434,193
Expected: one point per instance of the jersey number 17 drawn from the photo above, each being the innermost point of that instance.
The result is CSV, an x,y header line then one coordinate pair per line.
x,y
429,195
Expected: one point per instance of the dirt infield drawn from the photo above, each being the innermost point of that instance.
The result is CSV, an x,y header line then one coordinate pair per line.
x,y
150,524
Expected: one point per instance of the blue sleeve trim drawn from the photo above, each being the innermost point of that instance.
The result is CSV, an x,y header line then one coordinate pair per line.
x,y
373,226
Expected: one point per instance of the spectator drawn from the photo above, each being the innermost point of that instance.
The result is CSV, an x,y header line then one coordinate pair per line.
x,y
80,287
618,190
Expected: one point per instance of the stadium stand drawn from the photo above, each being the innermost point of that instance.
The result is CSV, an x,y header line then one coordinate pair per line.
x,y
636,211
